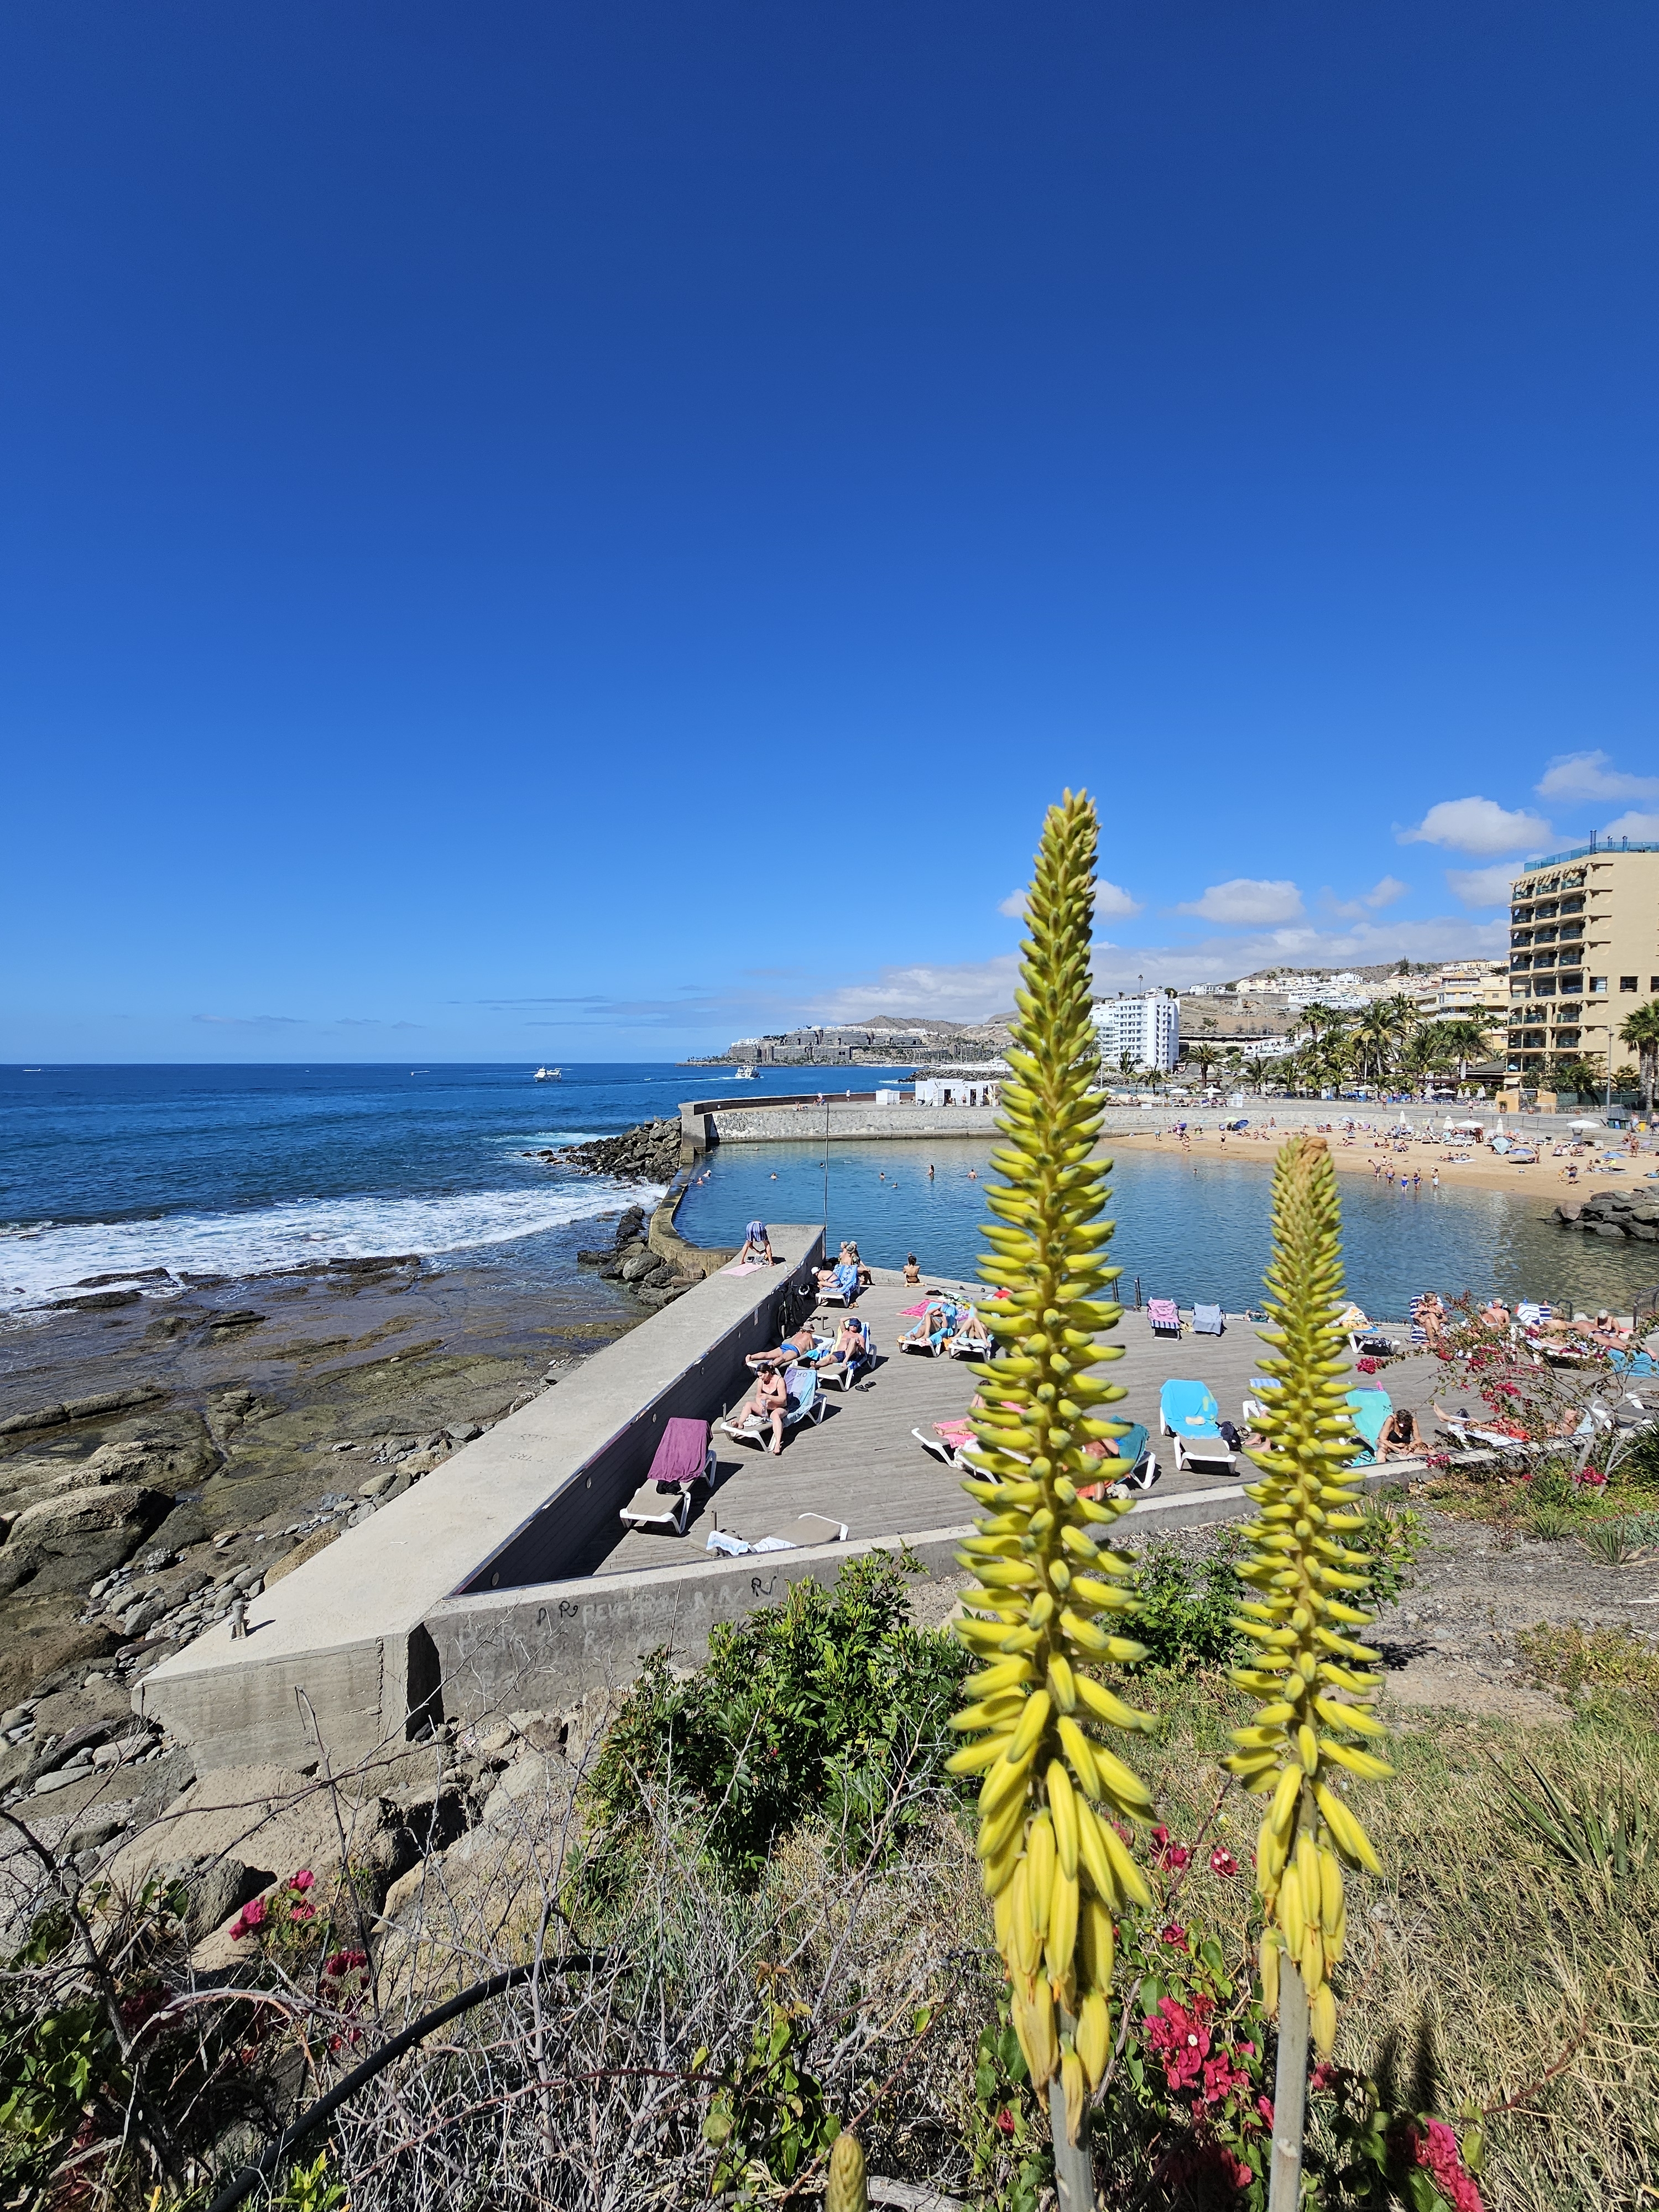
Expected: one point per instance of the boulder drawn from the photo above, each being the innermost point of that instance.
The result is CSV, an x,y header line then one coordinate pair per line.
x,y
33,1656
635,1270
1569,1210
63,1543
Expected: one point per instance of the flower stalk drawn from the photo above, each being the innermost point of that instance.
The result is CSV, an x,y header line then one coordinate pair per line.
x,y
1052,1790
1311,1702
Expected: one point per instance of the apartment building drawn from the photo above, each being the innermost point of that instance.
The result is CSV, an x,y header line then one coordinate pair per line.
x,y
1147,1027
1584,952
1466,990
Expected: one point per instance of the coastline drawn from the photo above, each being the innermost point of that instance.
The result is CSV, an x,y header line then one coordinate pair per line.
x,y
1545,1180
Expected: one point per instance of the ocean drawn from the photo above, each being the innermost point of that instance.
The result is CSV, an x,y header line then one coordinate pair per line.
x,y
238,1171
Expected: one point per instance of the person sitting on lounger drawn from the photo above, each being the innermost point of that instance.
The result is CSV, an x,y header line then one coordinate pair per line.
x,y
852,1344
757,1244
769,1403
972,1336
1399,1438
938,1317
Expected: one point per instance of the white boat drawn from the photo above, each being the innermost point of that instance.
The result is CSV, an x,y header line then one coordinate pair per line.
x,y
549,1074
746,1075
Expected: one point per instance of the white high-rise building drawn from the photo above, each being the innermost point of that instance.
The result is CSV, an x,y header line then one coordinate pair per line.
x,y
1147,1027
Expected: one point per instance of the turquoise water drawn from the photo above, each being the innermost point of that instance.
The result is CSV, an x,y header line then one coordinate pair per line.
x,y
1187,1231
232,1170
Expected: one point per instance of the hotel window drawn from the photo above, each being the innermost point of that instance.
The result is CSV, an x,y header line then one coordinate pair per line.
x,y
1544,987
1627,983
1653,982
1598,986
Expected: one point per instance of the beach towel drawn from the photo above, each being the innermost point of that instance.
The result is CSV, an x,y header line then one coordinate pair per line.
x,y
1164,1317
915,1312
1207,1321
744,1267
682,1456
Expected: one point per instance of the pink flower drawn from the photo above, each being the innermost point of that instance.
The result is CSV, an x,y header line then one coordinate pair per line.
x,y
1436,2149
302,1912
1265,2106
1324,2075
303,1880
251,1916
345,1962
1168,1855
1223,1861
1175,1935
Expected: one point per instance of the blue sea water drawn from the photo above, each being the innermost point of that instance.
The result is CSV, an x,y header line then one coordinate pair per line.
x,y
233,1170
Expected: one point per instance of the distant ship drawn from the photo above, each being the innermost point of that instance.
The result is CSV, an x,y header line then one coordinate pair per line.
x,y
746,1075
549,1074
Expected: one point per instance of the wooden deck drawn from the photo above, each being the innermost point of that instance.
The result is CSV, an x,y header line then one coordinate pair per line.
x,y
862,1465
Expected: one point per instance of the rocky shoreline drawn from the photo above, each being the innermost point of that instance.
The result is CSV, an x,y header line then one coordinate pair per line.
x,y
1621,1213
649,1153
160,1461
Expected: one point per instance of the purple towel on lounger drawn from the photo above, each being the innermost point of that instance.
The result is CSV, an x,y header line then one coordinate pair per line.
x,y
681,1456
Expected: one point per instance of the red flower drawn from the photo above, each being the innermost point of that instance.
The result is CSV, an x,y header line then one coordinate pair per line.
x,y
1174,1934
1005,2121
1223,1861
1324,2075
1265,2106
301,1880
302,1912
251,1916
345,1962
1168,1855
1436,2149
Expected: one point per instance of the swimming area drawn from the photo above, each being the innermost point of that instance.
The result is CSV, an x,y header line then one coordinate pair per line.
x,y
233,1170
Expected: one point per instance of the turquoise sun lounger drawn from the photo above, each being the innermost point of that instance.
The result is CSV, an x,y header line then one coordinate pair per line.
x,y
1187,1411
1371,1409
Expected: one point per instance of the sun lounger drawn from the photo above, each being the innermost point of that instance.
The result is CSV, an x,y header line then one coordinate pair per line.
x,y
1134,1469
806,1404
1187,1411
684,1458
847,1371
947,1444
1371,1409
1207,1321
933,1332
844,1289
1165,1317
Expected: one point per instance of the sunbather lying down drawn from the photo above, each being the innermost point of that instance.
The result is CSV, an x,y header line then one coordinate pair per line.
x,y
971,1334
941,1314
802,1345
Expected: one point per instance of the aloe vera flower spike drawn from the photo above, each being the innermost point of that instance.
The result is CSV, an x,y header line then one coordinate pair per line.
x,y
1052,1859
1312,1698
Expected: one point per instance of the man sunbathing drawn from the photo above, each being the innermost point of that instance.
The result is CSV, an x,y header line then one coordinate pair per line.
x,y
802,1347
769,1403
852,1344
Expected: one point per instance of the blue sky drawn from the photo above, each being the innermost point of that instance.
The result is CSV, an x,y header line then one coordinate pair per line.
x,y
539,532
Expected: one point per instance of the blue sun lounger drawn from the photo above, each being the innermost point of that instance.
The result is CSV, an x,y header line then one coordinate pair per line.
x,y
1371,1409
1187,1411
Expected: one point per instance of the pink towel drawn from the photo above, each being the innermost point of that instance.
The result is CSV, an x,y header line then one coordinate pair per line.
x,y
911,1313
744,1267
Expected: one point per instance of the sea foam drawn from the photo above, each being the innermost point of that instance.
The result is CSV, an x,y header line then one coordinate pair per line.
x,y
48,1261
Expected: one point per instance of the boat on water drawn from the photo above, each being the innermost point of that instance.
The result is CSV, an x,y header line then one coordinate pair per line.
x,y
746,1075
549,1074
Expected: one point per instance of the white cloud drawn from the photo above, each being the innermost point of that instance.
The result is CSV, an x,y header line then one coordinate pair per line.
x,y
1481,886
1574,777
1640,829
1380,894
1245,899
1113,902
971,993
1477,825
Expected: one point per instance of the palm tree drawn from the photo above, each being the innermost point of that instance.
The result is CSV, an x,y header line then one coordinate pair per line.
x,y
1424,1051
1202,1056
1256,1069
1375,1037
1464,1040
1640,1030
1127,1066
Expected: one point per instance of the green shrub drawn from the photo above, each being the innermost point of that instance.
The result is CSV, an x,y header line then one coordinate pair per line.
x,y
820,1705
1391,1537
1186,1616
1640,1465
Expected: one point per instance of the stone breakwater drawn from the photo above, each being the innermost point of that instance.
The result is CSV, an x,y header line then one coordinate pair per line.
x,y
1623,1214
630,1261
647,1153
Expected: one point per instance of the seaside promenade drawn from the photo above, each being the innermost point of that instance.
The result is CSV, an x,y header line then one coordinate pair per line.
x,y
505,1580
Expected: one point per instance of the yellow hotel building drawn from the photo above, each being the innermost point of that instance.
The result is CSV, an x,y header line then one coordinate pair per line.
x,y
1584,952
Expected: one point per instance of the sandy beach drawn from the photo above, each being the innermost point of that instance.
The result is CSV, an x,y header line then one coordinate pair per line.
x,y
1362,1153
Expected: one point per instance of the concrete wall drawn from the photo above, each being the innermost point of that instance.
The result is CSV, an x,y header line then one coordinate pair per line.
x,y
770,1125
547,1647
338,1655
